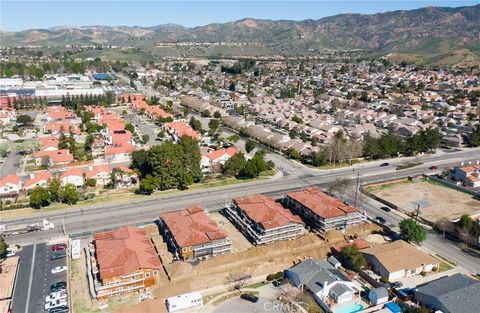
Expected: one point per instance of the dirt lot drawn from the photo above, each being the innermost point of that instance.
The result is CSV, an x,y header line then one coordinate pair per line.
x,y
255,261
239,242
435,200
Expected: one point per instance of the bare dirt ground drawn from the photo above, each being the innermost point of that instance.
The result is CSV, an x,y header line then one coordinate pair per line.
x,y
436,200
255,261
239,242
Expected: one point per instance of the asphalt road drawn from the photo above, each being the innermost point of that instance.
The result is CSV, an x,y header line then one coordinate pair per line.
x,y
11,163
35,278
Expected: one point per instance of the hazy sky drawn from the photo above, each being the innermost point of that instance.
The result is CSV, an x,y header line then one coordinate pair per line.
x,y
19,14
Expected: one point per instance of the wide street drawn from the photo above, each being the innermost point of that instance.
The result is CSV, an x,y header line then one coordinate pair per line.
x,y
97,217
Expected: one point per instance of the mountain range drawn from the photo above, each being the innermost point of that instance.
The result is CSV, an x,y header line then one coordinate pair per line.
x,y
431,31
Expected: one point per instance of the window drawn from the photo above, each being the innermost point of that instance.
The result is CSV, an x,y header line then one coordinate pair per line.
x,y
155,273
147,274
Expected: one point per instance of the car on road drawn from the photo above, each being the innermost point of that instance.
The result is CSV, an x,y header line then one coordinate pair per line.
x,y
55,304
59,269
54,296
380,219
59,247
58,255
249,297
433,167
386,208
58,286
60,309
384,164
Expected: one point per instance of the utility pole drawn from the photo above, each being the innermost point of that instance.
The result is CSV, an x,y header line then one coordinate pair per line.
x,y
416,215
356,189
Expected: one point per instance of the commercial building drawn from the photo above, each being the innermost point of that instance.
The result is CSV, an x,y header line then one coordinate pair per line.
x,y
191,234
264,221
399,259
321,211
122,261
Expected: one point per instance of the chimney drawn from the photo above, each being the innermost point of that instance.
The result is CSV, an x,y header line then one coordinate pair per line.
x,y
32,175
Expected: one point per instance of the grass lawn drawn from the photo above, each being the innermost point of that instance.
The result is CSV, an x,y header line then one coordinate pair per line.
x,y
256,285
445,259
387,185
444,267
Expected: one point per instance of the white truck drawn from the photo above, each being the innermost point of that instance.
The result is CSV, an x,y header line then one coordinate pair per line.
x,y
23,229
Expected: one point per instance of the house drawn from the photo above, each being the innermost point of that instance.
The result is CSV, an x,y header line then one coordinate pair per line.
x,y
326,283
450,294
469,175
37,180
217,157
322,211
72,176
122,261
53,157
264,221
399,259
9,186
178,129
100,173
378,295
191,234
119,153
125,177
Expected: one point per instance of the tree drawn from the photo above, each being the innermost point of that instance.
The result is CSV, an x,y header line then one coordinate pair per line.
x,y
233,138
213,124
191,156
166,163
340,186
145,138
249,145
54,189
234,165
352,258
39,198
217,115
130,127
255,166
63,142
24,120
69,194
294,154
196,124
4,148
411,231
474,137
140,162
3,246
205,113
90,182
148,185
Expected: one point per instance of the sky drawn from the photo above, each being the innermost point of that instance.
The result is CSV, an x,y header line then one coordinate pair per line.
x,y
20,15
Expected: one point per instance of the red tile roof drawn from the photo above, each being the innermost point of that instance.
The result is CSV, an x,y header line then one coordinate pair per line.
x,y
219,153
360,243
97,170
266,212
72,172
57,156
320,203
191,227
35,180
124,251
10,179
124,148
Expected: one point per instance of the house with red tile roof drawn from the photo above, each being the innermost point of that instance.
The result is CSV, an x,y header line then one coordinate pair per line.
x,y
191,234
100,173
10,186
48,143
155,112
123,261
217,157
263,221
55,157
468,175
120,153
322,211
37,180
72,176
178,129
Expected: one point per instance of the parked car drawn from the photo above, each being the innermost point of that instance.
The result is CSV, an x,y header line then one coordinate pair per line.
x,y
8,253
396,284
386,208
60,309
384,164
54,296
434,167
59,269
55,304
380,219
59,247
58,255
249,297
58,286
277,282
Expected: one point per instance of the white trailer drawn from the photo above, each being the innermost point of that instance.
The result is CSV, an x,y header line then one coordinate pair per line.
x,y
76,249
185,301
23,229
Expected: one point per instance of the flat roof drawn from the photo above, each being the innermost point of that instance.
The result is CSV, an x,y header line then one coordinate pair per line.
x,y
7,276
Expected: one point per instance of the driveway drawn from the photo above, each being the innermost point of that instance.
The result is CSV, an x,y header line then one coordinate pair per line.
x,y
11,163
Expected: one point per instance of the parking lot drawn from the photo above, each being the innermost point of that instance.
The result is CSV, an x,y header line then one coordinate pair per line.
x,y
35,278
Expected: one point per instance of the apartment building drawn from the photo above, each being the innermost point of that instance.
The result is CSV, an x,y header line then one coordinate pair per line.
x,y
264,221
191,234
321,211
122,261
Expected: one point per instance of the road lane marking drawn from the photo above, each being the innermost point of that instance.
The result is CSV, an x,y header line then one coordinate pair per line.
x,y
31,277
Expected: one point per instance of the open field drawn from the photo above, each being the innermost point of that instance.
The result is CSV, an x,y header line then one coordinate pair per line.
x,y
435,200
